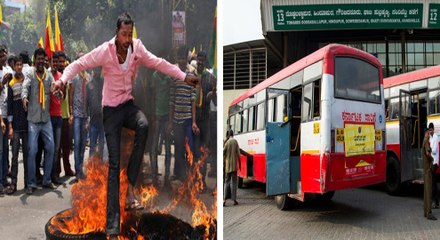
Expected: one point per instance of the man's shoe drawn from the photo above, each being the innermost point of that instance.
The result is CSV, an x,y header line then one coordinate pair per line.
x,y
235,202
49,186
11,189
29,191
431,217
56,181
70,173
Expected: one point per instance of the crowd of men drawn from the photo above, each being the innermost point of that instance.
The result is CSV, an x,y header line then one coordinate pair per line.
x,y
39,120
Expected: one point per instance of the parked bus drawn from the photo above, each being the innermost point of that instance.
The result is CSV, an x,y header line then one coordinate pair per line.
x,y
315,127
412,100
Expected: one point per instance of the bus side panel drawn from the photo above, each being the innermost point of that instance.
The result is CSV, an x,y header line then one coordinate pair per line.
x,y
260,167
353,172
242,172
310,171
393,137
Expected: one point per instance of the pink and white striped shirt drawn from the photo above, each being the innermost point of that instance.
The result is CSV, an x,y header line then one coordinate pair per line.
x,y
118,83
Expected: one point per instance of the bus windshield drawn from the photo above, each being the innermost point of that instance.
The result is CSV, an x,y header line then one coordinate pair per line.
x,y
356,79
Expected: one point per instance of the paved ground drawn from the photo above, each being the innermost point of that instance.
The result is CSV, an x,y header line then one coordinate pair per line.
x,y
24,217
366,213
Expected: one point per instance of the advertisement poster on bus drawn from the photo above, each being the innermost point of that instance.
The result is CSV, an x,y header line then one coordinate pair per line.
x,y
359,139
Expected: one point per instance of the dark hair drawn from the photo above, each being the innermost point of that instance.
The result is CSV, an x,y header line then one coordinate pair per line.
x,y
201,54
431,125
17,59
59,54
24,55
11,60
182,52
229,133
124,18
39,51
3,48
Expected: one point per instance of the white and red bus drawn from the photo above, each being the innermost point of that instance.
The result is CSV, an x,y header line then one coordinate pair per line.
x,y
315,127
412,101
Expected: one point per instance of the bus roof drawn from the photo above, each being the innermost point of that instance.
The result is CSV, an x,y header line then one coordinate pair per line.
x,y
325,52
411,76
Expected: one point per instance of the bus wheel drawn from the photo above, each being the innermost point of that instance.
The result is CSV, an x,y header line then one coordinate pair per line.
x,y
240,182
325,197
284,202
392,184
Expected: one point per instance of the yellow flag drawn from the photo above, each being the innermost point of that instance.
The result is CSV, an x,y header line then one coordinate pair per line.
x,y
135,35
49,46
40,43
1,15
59,46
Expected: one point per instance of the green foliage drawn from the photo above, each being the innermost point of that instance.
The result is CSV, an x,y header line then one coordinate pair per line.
x,y
86,24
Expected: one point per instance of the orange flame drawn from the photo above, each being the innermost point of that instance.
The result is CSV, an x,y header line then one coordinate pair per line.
x,y
190,191
89,198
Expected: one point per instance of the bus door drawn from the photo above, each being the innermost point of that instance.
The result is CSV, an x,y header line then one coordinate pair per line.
x,y
278,141
277,158
406,135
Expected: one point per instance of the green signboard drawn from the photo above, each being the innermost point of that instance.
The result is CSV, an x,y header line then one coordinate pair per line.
x,y
347,16
434,17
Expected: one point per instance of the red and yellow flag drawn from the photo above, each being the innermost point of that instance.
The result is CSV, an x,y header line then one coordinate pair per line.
x,y
48,43
59,46
40,43
135,34
1,15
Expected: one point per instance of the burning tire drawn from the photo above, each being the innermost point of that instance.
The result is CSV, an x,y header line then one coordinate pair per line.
x,y
156,226
54,233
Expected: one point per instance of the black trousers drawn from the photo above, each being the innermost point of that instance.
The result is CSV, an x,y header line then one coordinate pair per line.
x,y
115,118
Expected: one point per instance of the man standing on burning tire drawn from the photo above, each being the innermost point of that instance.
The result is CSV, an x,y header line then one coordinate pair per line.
x,y
120,59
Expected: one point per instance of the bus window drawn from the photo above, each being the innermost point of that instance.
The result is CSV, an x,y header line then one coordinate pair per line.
x,y
232,121
356,79
251,121
245,117
260,116
394,108
307,102
317,98
281,106
271,110
387,109
237,125
434,102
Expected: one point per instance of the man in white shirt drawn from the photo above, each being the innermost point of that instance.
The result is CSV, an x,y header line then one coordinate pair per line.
x,y
4,69
433,142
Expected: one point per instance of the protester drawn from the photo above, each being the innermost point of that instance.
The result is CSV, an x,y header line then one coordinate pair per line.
x,y
162,99
78,108
18,125
4,70
206,85
182,118
231,158
212,99
36,101
66,139
94,111
56,120
118,108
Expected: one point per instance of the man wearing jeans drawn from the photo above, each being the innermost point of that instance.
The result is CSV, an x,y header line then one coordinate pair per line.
x,y
78,108
94,110
120,59
36,101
